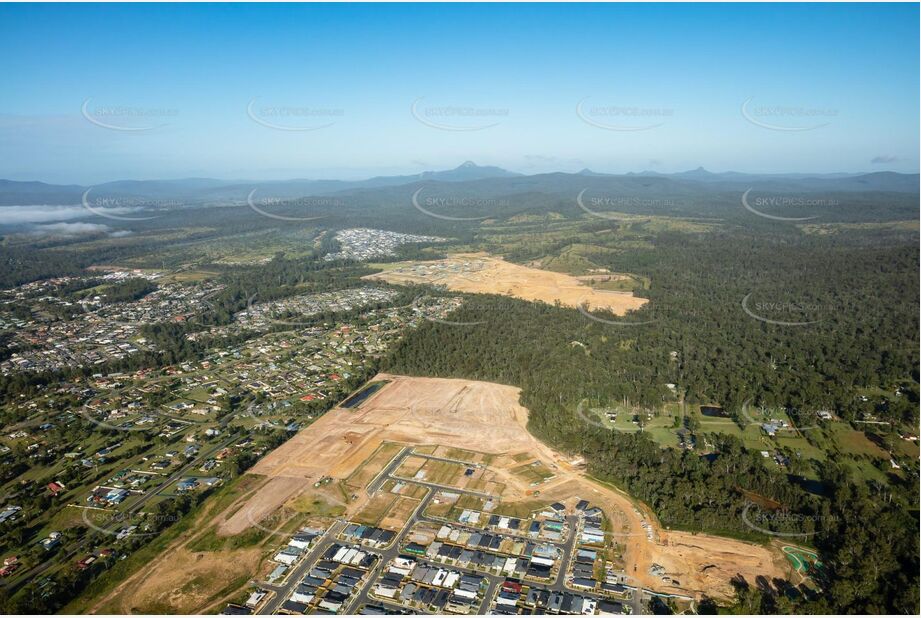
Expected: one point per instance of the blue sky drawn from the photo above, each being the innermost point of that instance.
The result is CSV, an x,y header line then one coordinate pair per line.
x,y
94,93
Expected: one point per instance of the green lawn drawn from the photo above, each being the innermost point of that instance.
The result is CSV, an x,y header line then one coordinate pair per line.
x,y
802,446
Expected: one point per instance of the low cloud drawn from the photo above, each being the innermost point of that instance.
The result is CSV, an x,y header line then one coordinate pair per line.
x,y
18,215
71,229
884,159
13,215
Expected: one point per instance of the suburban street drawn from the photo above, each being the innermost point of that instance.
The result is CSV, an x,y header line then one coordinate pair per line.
x,y
280,593
131,510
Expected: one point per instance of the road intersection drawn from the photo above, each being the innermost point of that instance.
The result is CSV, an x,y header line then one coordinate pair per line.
x,y
280,593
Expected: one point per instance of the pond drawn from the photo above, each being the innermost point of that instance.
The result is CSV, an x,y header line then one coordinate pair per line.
x,y
356,399
713,411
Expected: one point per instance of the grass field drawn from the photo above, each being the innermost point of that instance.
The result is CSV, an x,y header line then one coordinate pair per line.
x,y
410,490
410,466
661,427
367,471
460,454
855,442
317,504
450,474
520,509
533,473
906,448
399,513
375,510
802,446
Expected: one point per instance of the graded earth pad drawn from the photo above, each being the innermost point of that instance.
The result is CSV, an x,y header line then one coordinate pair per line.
x,y
487,418
480,273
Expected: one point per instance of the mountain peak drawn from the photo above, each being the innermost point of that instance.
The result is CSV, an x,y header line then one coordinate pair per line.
x,y
698,173
588,172
467,165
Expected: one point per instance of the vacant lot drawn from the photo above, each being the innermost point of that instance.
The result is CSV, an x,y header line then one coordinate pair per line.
x,y
533,473
398,513
450,474
482,274
372,467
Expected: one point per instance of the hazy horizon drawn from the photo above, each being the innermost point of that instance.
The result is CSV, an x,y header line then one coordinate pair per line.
x,y
354,175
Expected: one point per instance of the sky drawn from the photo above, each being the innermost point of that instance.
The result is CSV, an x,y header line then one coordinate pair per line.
x,y
93,93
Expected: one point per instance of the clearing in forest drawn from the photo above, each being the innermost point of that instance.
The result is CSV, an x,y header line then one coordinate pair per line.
x,y
480,273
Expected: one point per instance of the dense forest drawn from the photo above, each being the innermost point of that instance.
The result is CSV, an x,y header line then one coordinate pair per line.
x,y
861,300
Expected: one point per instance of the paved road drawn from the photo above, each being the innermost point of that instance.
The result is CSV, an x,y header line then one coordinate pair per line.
x,y
446,488
490,593
386,555
448,460
385,474
390,553
114,527
283,591
559,583
493,581
180,473
505,533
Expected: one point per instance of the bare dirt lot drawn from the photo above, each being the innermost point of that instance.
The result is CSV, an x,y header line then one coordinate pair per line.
x,y
188,582
480,273
460,413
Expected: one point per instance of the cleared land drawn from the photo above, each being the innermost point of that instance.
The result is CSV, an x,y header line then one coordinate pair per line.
x,y
482,274
458,413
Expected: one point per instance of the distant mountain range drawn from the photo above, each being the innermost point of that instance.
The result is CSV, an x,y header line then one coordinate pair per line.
x,y
209,189
480,180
